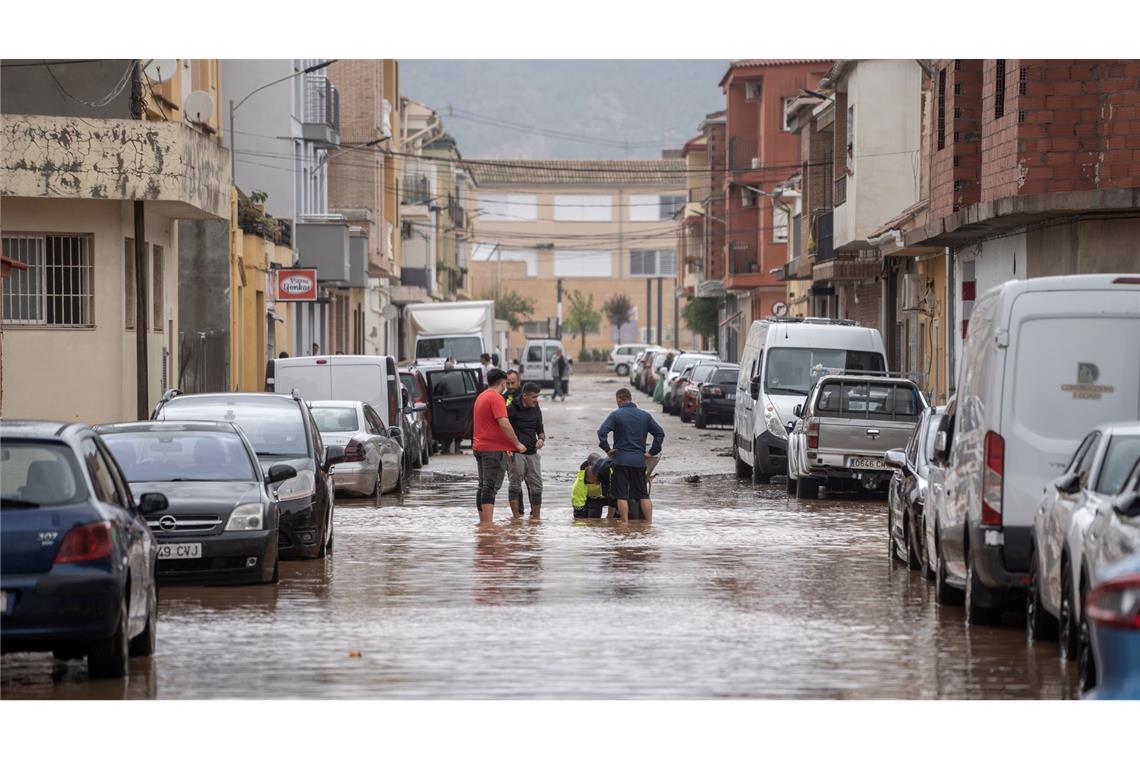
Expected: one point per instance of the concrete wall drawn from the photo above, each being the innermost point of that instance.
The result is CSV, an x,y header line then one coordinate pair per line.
x,y
1086,247
88,374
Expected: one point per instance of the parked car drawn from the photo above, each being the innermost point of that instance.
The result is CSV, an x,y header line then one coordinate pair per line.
x,y
945,592
637,369
537,357
1113,535
845,428
374,461
782,357
671,401
622,356
282,431
452,394
717,397
77,560
1113,612
691,391
674,388
220,525
1044,360
647,372
417,413
908,491
1091,481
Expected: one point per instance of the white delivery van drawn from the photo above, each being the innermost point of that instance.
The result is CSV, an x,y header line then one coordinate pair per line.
x,y
372,379
459,330
537,361
782,357
1044,361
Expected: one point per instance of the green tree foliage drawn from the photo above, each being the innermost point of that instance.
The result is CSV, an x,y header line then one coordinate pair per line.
x,y
583,319
619,311
700,316
512,307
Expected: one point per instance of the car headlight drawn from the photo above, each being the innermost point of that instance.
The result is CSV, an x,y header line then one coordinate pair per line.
x,y
305,484
772,420
246,517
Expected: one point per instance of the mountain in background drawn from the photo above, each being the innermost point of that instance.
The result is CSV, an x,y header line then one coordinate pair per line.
x,y
567,109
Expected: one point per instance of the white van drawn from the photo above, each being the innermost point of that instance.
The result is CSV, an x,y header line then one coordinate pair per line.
x,y
372,379
782,357
1044,361
536,363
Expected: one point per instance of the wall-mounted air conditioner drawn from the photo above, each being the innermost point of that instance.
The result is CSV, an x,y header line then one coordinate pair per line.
x,y
911,293
756,163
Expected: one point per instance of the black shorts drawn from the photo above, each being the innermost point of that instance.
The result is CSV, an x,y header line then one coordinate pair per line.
x,y
592,508
628,483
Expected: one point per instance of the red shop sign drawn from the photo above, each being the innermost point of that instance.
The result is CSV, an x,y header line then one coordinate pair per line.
x,y
296,284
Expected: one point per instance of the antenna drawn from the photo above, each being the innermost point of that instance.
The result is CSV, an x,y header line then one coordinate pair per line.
x,y
198,106
160,69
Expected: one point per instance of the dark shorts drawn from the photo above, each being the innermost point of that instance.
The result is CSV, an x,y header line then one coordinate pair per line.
x,y
629,483
492,469
592,508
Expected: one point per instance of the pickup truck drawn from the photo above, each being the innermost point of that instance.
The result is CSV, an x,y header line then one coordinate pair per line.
x,y
844,428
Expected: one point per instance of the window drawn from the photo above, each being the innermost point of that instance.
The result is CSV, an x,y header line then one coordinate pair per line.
x,y
508,207
129,312
536,329
1118,460
752,90
583,208
779,223
157,290
44,474
100,474
484,252
669,206
273,425
56,288
786,126
1085,465
583,264
652,263
654,208
941,109
335,419
999,90
188,455
851,138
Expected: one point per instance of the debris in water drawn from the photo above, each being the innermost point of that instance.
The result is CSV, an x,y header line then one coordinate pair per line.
x,y
692,478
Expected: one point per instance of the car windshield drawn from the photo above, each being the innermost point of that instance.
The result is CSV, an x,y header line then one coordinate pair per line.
x,y
335,419
1122,453
702,373
793,370
272,424
681,362
727,375
659,360
461,349
38,474
163,455
411,392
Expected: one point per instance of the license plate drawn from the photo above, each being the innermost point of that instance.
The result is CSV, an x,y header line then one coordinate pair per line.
x,y
179,551
9,599
865,463
730,396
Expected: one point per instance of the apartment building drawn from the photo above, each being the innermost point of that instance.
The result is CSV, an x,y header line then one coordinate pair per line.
x,y
599,227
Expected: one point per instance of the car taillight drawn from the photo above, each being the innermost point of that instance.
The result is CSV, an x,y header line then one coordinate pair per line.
x,y
712,390
813,434
85,542
1116,603
354,452
992,477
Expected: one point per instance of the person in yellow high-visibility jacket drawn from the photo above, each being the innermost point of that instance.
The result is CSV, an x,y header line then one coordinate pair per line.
x,y
588,495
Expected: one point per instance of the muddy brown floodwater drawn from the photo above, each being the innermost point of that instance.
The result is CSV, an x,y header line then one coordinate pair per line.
x,y
735,590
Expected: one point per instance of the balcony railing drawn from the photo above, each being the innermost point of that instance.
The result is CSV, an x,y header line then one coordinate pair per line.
x,y
822,235
743,154
416,190
322,105
840,190
742,259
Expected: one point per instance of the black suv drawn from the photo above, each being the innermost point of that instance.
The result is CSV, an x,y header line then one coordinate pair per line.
x,y
282,431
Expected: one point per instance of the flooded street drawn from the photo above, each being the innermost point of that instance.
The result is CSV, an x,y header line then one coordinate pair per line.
x,y
735,590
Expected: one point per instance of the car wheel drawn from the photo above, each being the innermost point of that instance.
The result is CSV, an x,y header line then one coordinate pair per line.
x,y
925,568
425,451
911,553
1066,625
742,468
276,572
327,538
700,420
143,645
1039,624
975,612
944,594
791,485
1086,665
807,488
622,370
108,658
685,417
378,489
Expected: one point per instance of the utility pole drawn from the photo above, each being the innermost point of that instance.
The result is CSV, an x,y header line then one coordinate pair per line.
x,y
558,317
142,382
649,311
498,272
661,311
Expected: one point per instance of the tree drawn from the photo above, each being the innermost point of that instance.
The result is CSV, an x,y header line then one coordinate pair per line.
x,y
583,317
701,316
512,307
619,311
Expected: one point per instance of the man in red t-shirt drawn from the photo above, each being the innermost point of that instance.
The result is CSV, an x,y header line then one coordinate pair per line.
x,y
494,442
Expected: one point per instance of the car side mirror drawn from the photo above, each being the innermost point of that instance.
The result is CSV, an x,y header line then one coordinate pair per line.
x,y
941,455
420,407
396,434
150,503
754,389
798,410
1068,483
895,458
280,472
333,455
1127,505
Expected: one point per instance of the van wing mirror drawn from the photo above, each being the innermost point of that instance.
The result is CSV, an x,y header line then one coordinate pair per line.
x,y
754,389
941,455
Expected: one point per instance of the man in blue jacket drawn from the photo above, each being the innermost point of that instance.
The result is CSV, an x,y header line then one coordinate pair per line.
x,y
630,427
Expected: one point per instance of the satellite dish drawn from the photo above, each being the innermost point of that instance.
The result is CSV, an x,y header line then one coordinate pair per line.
x,y
160,69
198,106
389,312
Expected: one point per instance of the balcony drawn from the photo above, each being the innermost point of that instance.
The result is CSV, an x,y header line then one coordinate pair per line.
x,y
321,123
415,190
846,270
823,237
840,193
743,154
791,271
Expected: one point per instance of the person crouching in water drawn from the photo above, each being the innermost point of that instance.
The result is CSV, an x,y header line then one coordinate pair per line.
x,y
526,419
590,492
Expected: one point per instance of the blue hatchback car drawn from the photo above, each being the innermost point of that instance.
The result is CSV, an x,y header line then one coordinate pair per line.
x,y
1113,610
77,560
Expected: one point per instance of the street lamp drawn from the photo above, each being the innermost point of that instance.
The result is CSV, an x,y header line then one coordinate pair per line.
x,y
250,94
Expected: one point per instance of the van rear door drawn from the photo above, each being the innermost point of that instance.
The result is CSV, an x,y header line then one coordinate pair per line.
x,y
361,381
453,393
1073,362
312,380
535,368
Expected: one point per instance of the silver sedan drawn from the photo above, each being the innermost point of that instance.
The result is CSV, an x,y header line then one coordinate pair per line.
x,y
374,459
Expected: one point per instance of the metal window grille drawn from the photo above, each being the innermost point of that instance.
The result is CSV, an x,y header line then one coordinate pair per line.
x,y
1022,79
56,288
999,90
941,110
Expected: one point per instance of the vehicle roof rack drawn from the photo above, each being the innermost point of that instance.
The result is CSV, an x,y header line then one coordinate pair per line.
x,y
171,393
296,394
832,371
815,320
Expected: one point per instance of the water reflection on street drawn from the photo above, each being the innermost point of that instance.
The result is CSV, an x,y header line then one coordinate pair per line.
x,y
734,590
